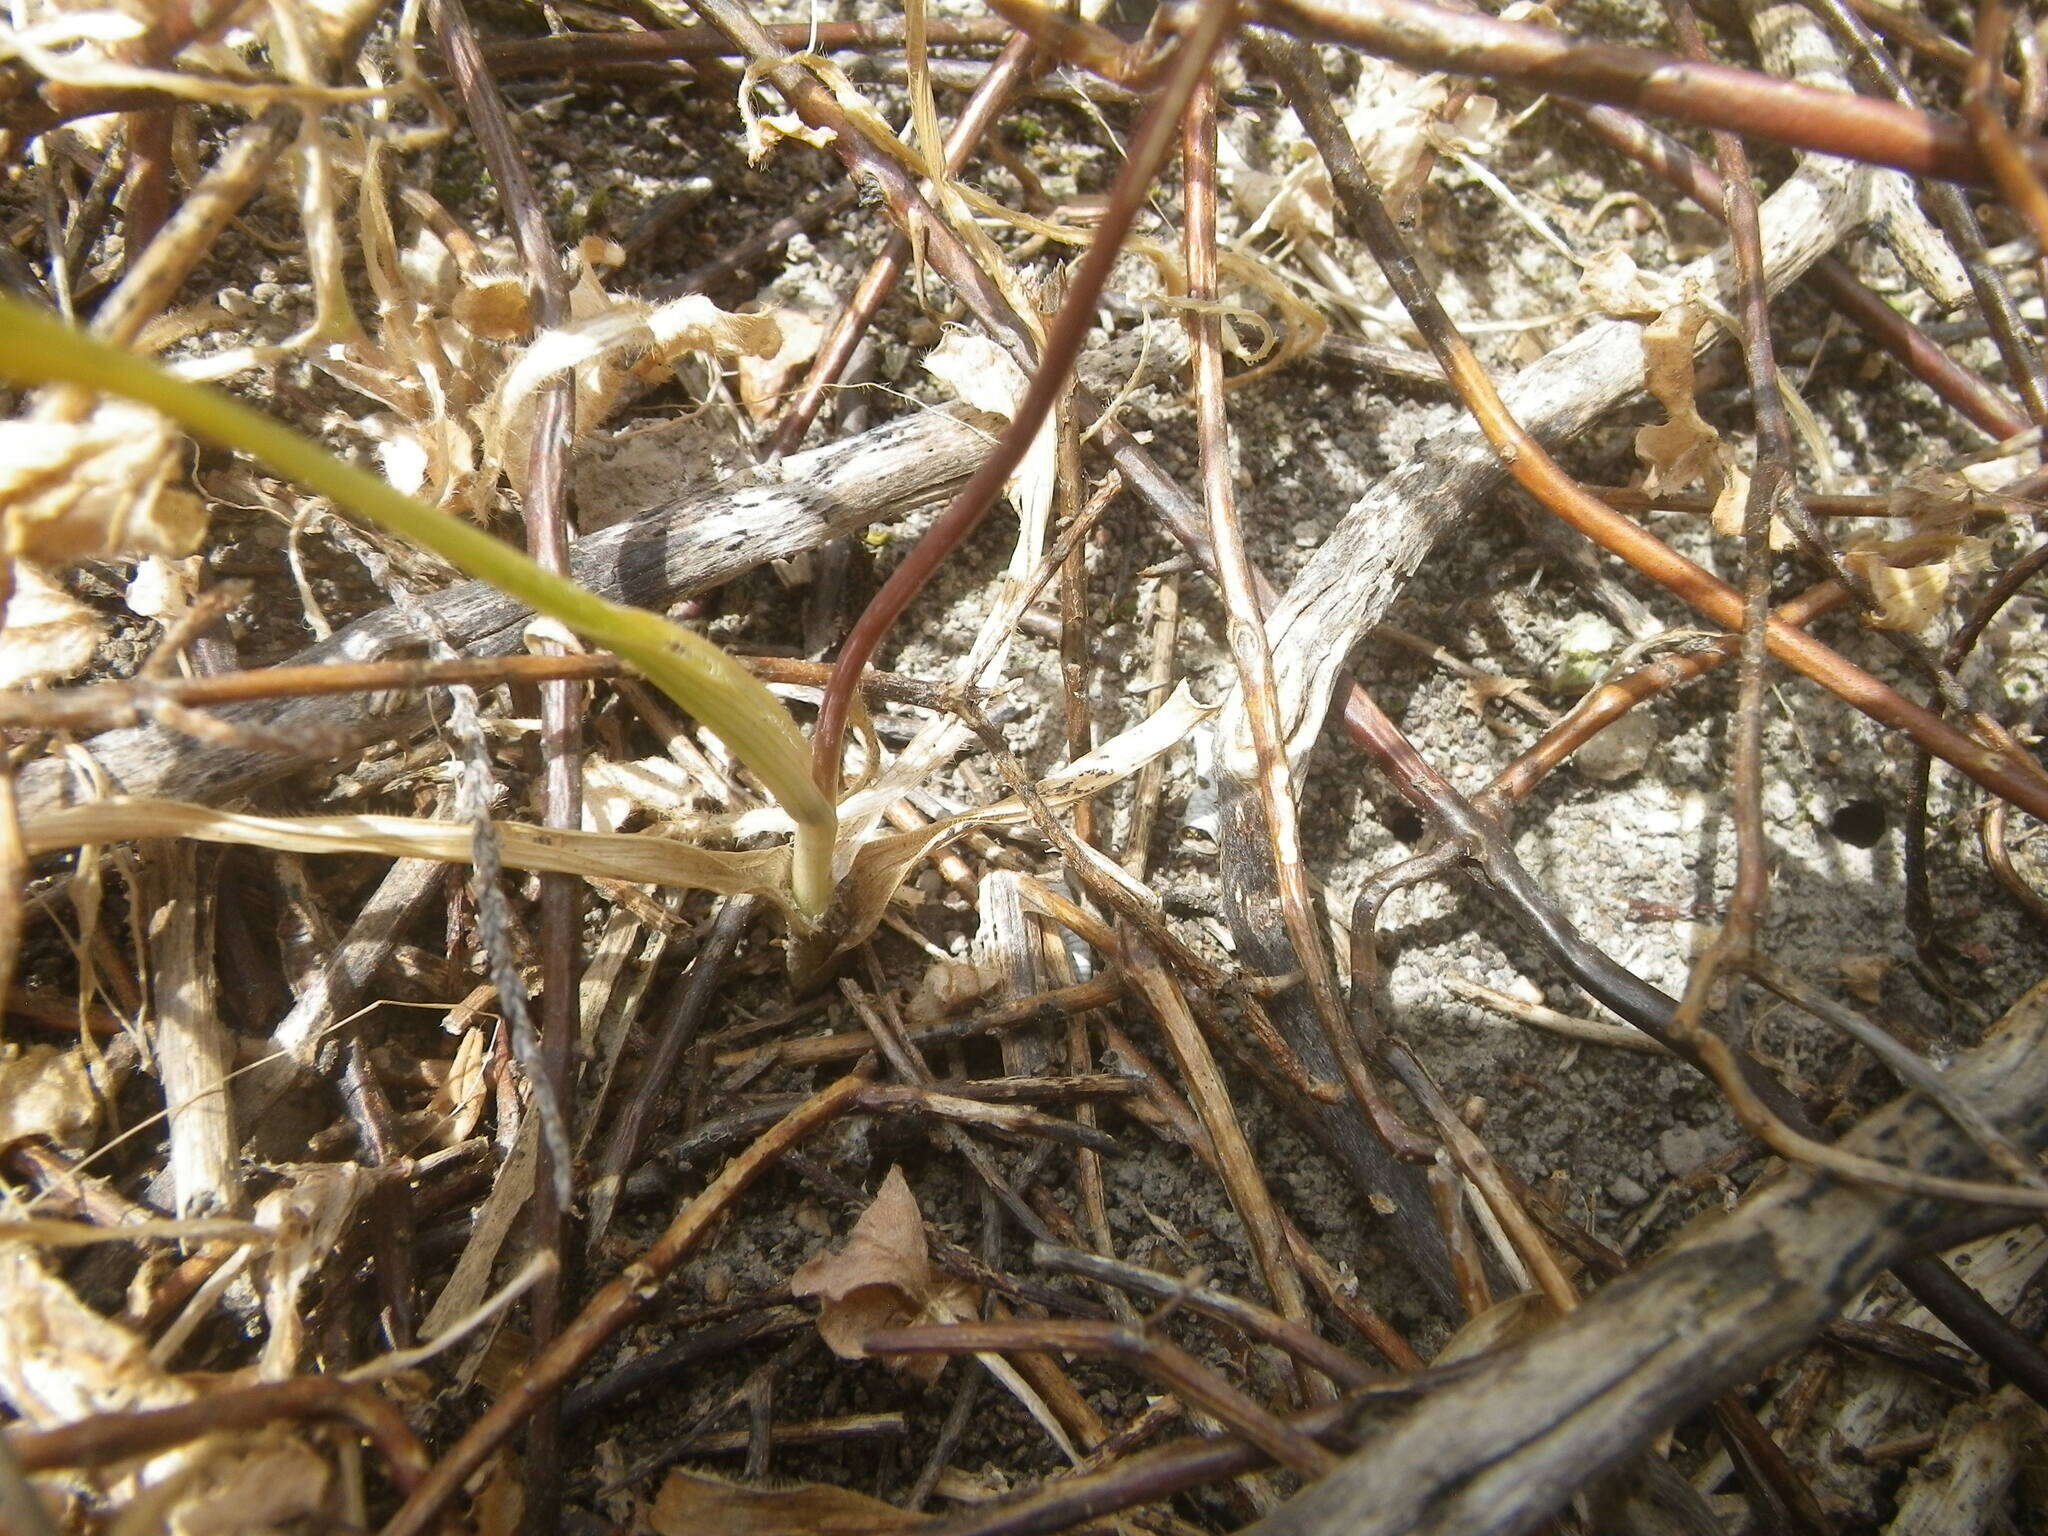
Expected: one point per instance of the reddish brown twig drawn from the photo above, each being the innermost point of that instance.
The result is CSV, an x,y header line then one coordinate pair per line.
x,y
1957,219
1615,986
1772,492
1984,111
1148,150
111,1437
1306,1346
1830,276
1997,768
1430,37
1614,698
614,1306
543,485
1012,67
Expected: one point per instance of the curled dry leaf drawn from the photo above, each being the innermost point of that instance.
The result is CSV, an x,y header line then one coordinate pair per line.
x,y
695,1504
60,1362
1503,1323
1614,285
458,1102
609,341
1863,975
882,1278
1912,576
49,1093
310,1216
615,792
1684,447
101,485
49,634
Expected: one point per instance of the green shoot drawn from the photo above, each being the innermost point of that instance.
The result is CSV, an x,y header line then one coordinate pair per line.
x,y
38,348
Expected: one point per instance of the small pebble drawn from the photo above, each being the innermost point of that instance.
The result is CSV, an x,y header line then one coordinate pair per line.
x,y
1626,1191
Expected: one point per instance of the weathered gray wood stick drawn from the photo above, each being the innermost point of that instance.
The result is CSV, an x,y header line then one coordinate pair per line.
x,y
654,561
1498,1451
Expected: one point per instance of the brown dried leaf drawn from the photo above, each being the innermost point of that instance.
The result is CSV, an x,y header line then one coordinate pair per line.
x,y
882,1278
60,1361
1685,447
47,1092
458,1103
609,340
1503,1323
1613,284
49,633
98,486
764,380
495,306
1864,976
1912,576
694,1504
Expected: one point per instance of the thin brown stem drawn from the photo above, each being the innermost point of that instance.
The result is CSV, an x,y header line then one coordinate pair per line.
x,y
1247,1317
615,1305
1984,111
1148,150
572,51
1247,629
1013,66
1431,37
544,488
1997,768
107,1438
1157,1356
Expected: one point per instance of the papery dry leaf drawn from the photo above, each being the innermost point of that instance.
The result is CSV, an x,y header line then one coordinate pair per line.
x,y
609,340
497,1509
882,863
458,1103
309,1215
47,1092
48,633
98,486
949,984
495,306
1475,132
1911,577
1515,1317
1864,976
271,1485
695,1504
882,1278
1614,285
764,133
615,792
61,1362
1684,447
1478,692
433,460
637,858
160,588
764,380
1393,109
